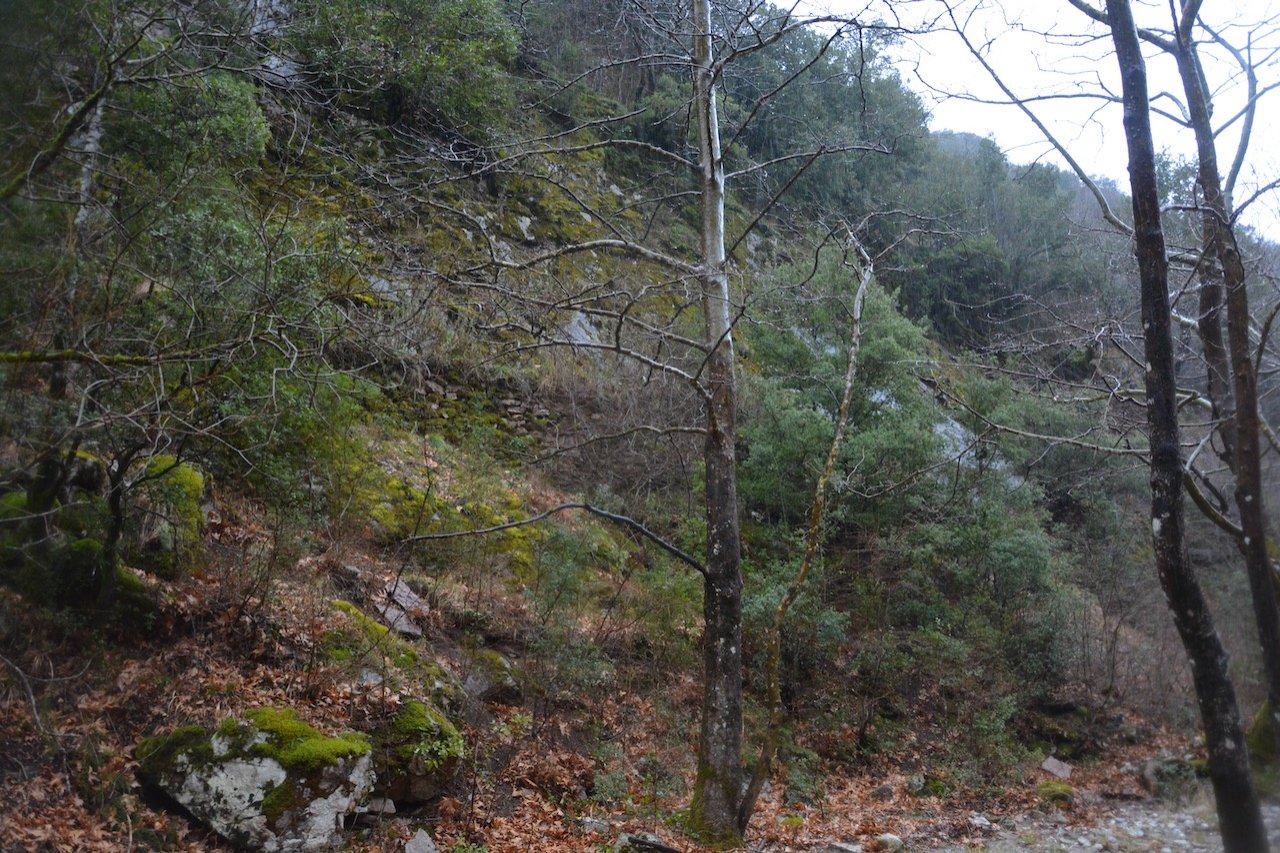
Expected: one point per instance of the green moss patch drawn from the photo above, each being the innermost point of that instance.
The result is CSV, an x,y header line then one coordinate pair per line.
x,y
367,635
1056,793
297,746
302,751
158,755
425,734
171,528
1261,738
13,506
293,744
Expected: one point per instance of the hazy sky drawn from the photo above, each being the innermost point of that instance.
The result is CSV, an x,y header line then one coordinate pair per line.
x,y
1071,67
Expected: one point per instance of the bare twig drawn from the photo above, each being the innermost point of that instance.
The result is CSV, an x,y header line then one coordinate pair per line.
x,y
623,520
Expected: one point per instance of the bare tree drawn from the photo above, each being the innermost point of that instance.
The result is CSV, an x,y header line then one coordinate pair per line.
x,y
1231,366
667,311
1239,813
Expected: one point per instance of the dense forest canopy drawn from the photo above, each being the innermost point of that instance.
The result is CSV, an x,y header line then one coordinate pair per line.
x,y
643,340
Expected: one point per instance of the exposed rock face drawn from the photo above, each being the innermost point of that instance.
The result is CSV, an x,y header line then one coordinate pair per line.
x,y
400,606
269,783
1058,768
394,601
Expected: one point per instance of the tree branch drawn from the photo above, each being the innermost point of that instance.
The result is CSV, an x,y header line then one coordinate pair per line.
x,y
622,520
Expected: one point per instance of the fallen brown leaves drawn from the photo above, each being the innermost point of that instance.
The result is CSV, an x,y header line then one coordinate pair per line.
x,y
531,776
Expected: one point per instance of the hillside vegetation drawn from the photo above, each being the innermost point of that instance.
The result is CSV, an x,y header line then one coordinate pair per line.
x,y
316,308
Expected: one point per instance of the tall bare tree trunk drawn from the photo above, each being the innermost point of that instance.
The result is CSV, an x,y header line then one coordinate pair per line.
x,y
718,787
1244,426
1239,813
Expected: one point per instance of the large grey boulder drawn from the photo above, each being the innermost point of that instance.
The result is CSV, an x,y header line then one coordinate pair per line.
x,y
269,782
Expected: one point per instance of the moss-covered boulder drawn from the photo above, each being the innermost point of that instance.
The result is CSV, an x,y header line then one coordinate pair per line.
x,y
365,638
167,541
268,782
1261,738
57,571
492,677
417,755
443,687
1056,793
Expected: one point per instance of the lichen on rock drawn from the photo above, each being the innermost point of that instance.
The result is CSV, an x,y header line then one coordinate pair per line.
x,y
269,782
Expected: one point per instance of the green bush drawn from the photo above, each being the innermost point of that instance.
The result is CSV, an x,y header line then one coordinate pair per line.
x,y
419,61
609,788
196,121
813,632
302,437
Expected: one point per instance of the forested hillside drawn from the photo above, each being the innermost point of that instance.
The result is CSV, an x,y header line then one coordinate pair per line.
x,y
480,425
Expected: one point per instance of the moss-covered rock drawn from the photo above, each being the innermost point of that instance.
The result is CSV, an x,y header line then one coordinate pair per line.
x,y
137,604
443,687
492,677
159,754
84,517
168,535
1261,738
61,564
1056,793
417,754
56,571
268,782
365,637
927,785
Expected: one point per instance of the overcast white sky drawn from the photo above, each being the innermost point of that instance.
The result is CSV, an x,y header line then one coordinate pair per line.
x,y
1073,64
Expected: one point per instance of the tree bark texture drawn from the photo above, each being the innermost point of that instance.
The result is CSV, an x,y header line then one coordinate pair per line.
x,y
718,788
1237,802
1209,328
